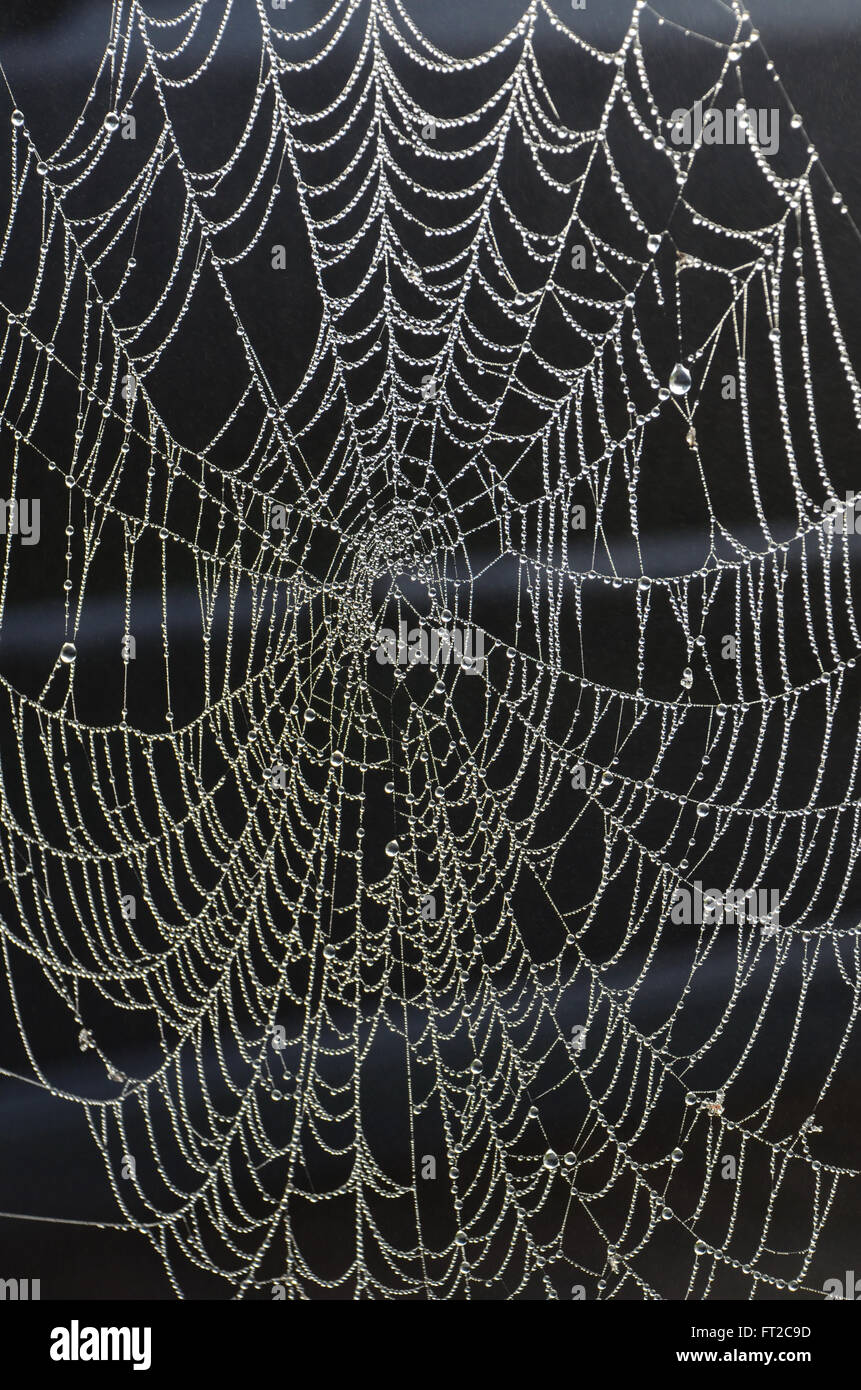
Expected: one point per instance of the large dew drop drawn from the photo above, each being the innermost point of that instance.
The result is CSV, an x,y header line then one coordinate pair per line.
x,y
680,380
68,653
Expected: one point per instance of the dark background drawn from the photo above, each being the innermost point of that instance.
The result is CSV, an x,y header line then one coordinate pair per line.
x,y
48,1165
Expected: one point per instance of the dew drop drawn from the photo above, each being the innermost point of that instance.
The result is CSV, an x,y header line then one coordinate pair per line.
x,y
68,653
680,380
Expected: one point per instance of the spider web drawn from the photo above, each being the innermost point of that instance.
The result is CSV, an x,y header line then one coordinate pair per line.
x,y
373,968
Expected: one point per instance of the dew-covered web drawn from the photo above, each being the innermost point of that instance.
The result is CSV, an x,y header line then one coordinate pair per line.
x,y
372,968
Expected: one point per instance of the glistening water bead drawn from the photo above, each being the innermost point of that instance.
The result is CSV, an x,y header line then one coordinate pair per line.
x,y
68,652
680,380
